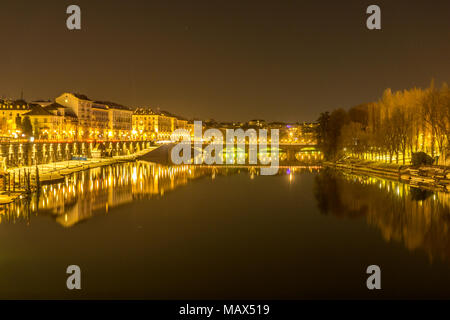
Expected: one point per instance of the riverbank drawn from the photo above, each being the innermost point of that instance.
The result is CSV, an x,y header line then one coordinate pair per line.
x,y
56,171
436,178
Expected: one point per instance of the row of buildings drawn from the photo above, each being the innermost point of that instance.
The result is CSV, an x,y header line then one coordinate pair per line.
x,y
73,116
304,133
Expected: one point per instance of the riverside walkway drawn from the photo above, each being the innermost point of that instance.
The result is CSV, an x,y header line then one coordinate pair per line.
x,y
55,171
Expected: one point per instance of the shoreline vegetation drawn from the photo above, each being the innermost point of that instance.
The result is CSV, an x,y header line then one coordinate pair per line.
x,y
405,135
392,129
52,173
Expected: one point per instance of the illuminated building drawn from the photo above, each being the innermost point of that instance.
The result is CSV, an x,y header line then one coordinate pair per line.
x,y
154,125
100,120
9,110
81,105
46,125
257,123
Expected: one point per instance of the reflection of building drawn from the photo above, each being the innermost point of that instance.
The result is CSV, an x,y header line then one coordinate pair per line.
x,y
81,210
98,190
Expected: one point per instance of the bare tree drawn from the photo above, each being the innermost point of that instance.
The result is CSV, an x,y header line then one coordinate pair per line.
x,y
435,115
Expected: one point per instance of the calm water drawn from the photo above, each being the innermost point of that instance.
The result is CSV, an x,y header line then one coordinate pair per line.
x,y
140,230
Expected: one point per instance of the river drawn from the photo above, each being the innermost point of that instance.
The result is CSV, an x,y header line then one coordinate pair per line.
x,y
142,230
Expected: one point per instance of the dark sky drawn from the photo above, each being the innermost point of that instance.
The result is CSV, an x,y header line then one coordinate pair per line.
x,y
227,60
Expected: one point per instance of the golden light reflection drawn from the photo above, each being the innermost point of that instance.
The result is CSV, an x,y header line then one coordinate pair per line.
x,y
416,217
99,190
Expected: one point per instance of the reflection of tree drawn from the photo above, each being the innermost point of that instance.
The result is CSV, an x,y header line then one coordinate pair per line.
x,y
418,194
325,191
415,217
328,192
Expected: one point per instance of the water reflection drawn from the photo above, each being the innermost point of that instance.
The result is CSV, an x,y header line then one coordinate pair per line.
x,y
417,218
96,191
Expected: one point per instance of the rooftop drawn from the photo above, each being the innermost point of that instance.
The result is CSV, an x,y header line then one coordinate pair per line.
x,y
37,110
81,96
113,105
144,111
54,106
97,105
169,114
14,105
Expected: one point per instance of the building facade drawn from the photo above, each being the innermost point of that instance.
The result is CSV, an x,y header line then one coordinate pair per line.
x,y
69,119
81,105
120,119
73,116
9,112
45,124
143,124
99,121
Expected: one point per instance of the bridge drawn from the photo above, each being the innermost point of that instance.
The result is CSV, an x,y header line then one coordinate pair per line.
x,y
289,154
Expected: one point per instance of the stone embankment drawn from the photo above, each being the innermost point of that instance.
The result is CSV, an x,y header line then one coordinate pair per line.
x,y
54,172
429,177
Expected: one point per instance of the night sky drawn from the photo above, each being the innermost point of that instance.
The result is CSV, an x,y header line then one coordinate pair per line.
x,y
227,60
